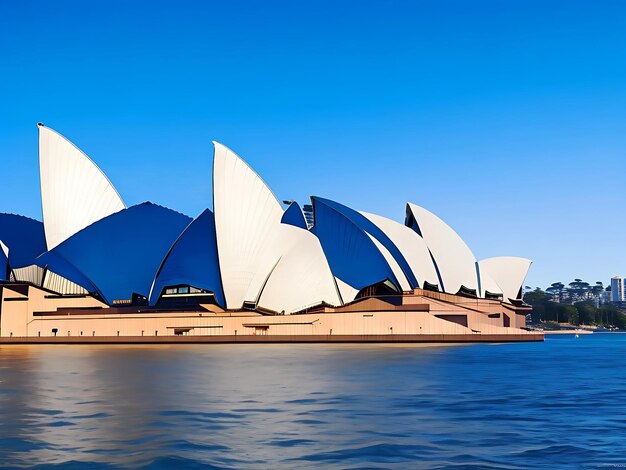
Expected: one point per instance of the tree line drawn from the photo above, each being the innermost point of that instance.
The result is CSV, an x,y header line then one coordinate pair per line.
x,y
576,291
578,303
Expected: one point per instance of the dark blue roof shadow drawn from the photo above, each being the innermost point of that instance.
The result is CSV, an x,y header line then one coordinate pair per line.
x,y
24,237
4,266
192,260
293,216
368,226
121,253
352,255
56,263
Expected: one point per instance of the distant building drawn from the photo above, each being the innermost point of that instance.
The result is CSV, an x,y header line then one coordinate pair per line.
x,y
617,289
604,297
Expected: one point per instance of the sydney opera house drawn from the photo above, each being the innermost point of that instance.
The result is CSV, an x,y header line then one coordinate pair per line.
x,y
252,269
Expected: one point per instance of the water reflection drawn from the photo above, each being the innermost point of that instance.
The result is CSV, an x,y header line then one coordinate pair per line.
x,y
260,406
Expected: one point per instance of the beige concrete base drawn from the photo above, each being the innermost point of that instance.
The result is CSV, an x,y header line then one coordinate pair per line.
x,y
269,339
32,315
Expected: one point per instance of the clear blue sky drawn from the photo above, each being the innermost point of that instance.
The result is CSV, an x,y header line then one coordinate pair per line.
x,y
505,118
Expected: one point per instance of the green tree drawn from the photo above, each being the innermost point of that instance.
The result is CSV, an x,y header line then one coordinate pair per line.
x,y
570,314
611,316
587,313
559,313
619,320
556,291
578,290
536,296
597,289
537,299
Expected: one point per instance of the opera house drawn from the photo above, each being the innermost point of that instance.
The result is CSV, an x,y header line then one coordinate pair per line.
x,y
253,269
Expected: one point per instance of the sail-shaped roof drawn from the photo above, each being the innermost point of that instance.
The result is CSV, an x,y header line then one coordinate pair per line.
x,y
353,256
75,193
24,237
411,245
53,261
487,284
394,256
508,271
293,215
455,262
247,217
302,277
120,254
192,260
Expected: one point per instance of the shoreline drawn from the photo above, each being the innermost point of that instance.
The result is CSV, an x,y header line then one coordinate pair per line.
x,y
568,332
275,339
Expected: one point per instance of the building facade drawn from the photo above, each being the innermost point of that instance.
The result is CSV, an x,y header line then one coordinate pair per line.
x,y
617,289
251,253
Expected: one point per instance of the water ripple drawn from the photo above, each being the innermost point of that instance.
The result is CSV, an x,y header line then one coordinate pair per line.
x,y
520,406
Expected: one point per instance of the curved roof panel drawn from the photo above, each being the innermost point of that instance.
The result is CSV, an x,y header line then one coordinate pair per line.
x,y
74,191
508,271
393,264
487,283
411,245
453,259
121,253
192,260
302,277
293,216
373,230
247,215
24,237
55,262
347,292
352,255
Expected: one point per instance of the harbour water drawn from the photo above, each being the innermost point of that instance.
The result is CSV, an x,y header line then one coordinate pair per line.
x,y
557,404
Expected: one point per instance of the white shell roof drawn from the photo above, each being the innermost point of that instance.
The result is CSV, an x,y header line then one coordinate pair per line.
x,y
508,271
302,277
247,215
454,259
411,245
75,193
348,293
487,284
393,264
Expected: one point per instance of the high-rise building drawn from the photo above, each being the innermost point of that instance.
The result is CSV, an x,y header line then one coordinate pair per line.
x,y
617,289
